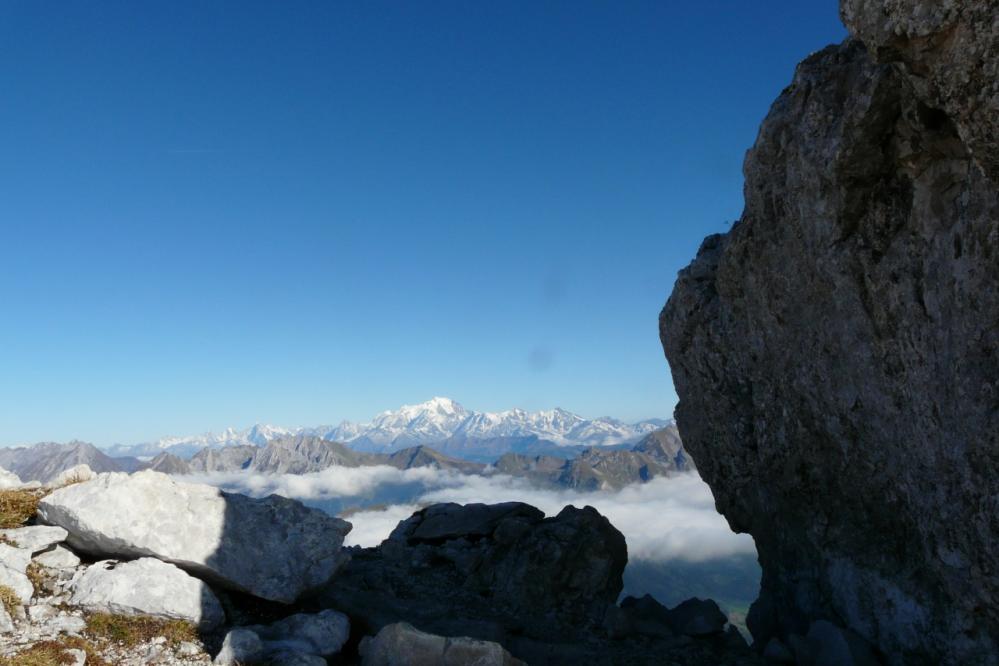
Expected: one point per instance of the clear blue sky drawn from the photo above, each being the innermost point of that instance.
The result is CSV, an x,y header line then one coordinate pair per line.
x,y
228,212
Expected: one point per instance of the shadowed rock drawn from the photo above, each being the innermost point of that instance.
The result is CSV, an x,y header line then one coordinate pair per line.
x,y
273,548
146,586
401,644
836,354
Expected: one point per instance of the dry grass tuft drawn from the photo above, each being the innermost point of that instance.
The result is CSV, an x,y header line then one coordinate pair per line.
x,y
53,653
18,506
46,653
36,574
73,479
132,630
9,599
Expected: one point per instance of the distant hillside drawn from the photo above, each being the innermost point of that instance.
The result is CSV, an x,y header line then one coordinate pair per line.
x,y
43,462
658,454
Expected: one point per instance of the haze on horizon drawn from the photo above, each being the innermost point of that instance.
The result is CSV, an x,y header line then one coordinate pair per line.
x,y
218,215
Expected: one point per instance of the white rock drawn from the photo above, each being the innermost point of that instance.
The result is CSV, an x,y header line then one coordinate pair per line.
x,y
146,587
322,633
6,623
35,538
14,558
41,612
240,646
65,624
188,649
75,474
17,581
9,480
58,557
401,644
273,548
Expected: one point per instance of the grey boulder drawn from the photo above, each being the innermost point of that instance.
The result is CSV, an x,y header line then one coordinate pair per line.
x,y
239,647
321,634
146,586
401,644
34,538
273,548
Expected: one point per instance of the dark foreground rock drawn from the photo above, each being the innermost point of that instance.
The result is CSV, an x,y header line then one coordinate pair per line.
x,y
836,353
542,588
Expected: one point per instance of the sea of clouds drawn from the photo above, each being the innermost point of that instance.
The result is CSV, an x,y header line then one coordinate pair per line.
x,y
665,519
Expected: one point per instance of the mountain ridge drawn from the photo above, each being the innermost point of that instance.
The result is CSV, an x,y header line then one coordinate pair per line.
x,y
435,421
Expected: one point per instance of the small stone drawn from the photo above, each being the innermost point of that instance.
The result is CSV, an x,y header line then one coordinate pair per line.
x,y
58,557
239,646
188,649
41,612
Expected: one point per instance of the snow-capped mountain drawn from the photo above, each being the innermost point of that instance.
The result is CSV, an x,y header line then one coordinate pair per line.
x,y
434,421
185,447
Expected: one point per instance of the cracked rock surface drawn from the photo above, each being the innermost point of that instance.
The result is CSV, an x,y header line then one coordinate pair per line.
x,y
836,353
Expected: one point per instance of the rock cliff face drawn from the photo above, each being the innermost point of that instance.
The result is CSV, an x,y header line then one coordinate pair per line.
x,y
836,353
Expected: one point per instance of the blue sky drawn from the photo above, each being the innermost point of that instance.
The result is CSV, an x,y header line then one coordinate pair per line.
x,y
221,213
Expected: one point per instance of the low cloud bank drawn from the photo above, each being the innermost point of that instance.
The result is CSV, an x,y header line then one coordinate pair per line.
x,y
664,519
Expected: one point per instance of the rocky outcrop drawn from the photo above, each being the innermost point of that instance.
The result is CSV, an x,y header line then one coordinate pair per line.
x,y
402,645
273,548
835,353
950,54
146,586
542,588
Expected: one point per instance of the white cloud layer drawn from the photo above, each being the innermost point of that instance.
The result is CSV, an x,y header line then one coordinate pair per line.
x,y
666,518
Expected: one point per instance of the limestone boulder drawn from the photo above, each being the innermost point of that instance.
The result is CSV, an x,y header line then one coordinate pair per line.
x,y
273,548
34,538
146,586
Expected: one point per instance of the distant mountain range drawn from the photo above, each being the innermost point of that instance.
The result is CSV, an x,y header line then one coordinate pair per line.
x,y
440,422
659,453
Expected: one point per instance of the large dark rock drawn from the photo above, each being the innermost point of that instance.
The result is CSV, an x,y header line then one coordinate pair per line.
x,y
503,563
836,353
540,587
